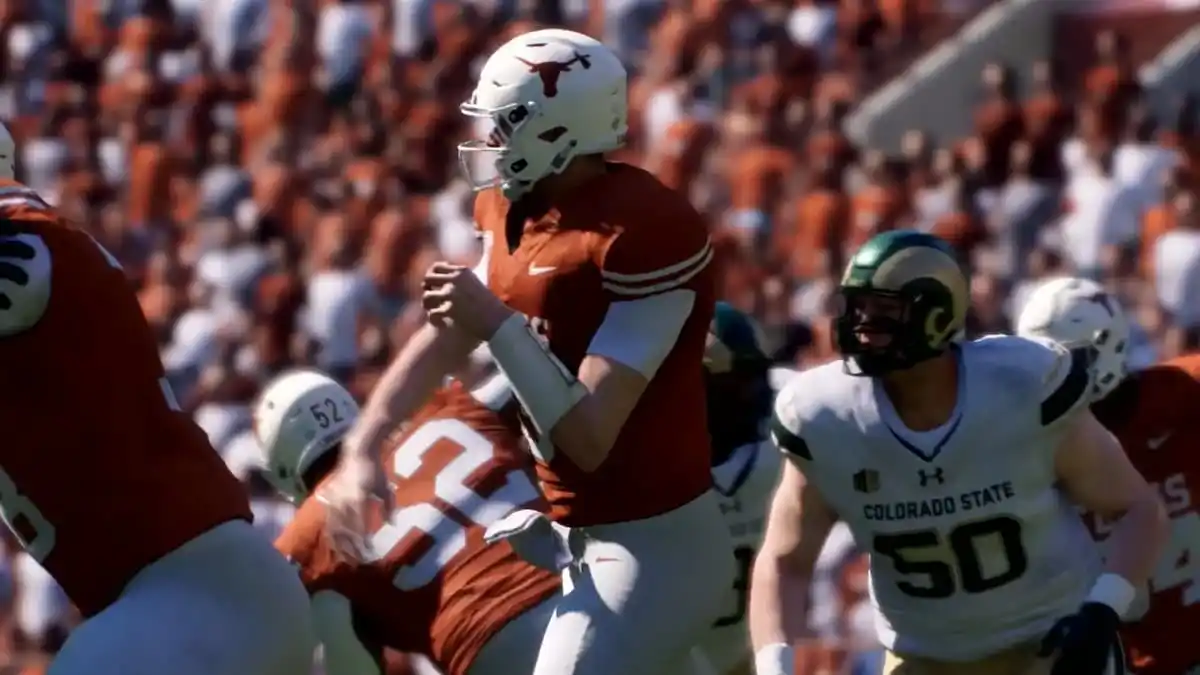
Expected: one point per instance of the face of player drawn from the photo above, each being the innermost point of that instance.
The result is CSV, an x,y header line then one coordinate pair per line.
x,y
876,317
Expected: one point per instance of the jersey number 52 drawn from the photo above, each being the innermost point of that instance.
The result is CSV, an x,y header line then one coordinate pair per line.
x,y
455,487
974,557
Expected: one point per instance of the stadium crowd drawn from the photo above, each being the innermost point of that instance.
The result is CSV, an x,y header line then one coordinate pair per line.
x,y
276,175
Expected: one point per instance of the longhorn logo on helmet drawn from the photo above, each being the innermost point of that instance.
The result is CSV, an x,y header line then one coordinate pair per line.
x,y
550,71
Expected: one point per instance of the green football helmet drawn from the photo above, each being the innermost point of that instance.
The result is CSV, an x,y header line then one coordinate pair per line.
x,y
904,300
736,368
735,343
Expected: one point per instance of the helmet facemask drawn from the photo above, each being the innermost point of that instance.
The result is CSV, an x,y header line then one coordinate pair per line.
x,y
882,331
519,149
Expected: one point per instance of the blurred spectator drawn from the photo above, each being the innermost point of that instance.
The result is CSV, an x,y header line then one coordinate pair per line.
x,y
1103,216
1177,264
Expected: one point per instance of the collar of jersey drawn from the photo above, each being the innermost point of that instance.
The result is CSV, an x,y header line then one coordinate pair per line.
x,y
731,474
926,445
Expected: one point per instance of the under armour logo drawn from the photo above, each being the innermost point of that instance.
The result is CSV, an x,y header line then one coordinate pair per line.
x,y
550,71
937,475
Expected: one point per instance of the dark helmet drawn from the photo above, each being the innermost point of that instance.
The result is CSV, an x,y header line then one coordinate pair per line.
x,y
905,299
736,379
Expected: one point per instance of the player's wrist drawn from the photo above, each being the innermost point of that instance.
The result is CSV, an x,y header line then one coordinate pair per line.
x,y
546,389
497,316
777,658
1113,591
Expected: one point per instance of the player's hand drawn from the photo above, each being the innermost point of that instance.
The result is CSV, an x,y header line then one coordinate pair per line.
x,y
1083,643
351,495
455,297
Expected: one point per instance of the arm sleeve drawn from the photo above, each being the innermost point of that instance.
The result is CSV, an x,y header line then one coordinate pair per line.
x,y
653,276
25,274
641,333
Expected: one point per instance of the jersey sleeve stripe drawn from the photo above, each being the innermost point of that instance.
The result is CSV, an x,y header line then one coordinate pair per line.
x,y
30,201
662,272
1071,390
660,281
788,441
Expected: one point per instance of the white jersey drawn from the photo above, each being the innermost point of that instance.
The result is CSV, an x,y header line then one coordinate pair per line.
x,y
973,547
744,483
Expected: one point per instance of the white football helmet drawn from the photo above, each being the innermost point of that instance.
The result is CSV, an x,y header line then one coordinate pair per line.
x,y
298,418
1077,312
549,96
8,154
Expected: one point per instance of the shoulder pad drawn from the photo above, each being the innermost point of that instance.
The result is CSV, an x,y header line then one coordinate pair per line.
x,y
800,401
1060,377
25,273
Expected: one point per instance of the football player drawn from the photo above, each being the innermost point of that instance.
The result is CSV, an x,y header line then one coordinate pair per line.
x,y
594,295
114,489
959,465
745,466
434,587
1154,413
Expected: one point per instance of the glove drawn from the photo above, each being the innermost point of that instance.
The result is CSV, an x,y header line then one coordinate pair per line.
x,y
1084,643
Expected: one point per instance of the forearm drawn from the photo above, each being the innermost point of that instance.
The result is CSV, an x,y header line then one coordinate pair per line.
x,y
589,430
1098,476
583,413
778,609
420,368
1137,539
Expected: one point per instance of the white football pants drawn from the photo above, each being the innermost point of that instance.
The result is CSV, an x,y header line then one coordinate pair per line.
x,y
641,594
225,603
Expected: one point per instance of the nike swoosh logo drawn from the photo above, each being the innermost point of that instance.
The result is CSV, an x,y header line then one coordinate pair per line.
x,y
1155,443
537,270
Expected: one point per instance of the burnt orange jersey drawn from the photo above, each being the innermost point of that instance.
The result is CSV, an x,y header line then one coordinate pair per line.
x,y
1156,416
100,472
436,588
622,237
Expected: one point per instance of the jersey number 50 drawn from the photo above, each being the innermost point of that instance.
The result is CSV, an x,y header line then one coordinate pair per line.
x,y
455,487
923,553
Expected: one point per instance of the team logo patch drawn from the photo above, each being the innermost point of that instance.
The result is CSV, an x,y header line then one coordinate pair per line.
x,y
866,481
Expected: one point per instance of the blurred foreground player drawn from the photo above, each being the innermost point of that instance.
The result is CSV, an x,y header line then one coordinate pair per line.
x,y
961,466
1156,415
594,295
745,466
435,587
110,486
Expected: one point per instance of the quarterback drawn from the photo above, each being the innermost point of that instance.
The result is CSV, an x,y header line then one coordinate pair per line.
x,y
594,294
960,466
1154,414
745,466
433,587
110,486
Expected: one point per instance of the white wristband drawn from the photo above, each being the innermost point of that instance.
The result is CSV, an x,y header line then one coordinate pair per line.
x,y
545,387
1113,590
775,659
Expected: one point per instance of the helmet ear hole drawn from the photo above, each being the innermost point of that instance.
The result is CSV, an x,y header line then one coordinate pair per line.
x,y
1101,338
552,135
